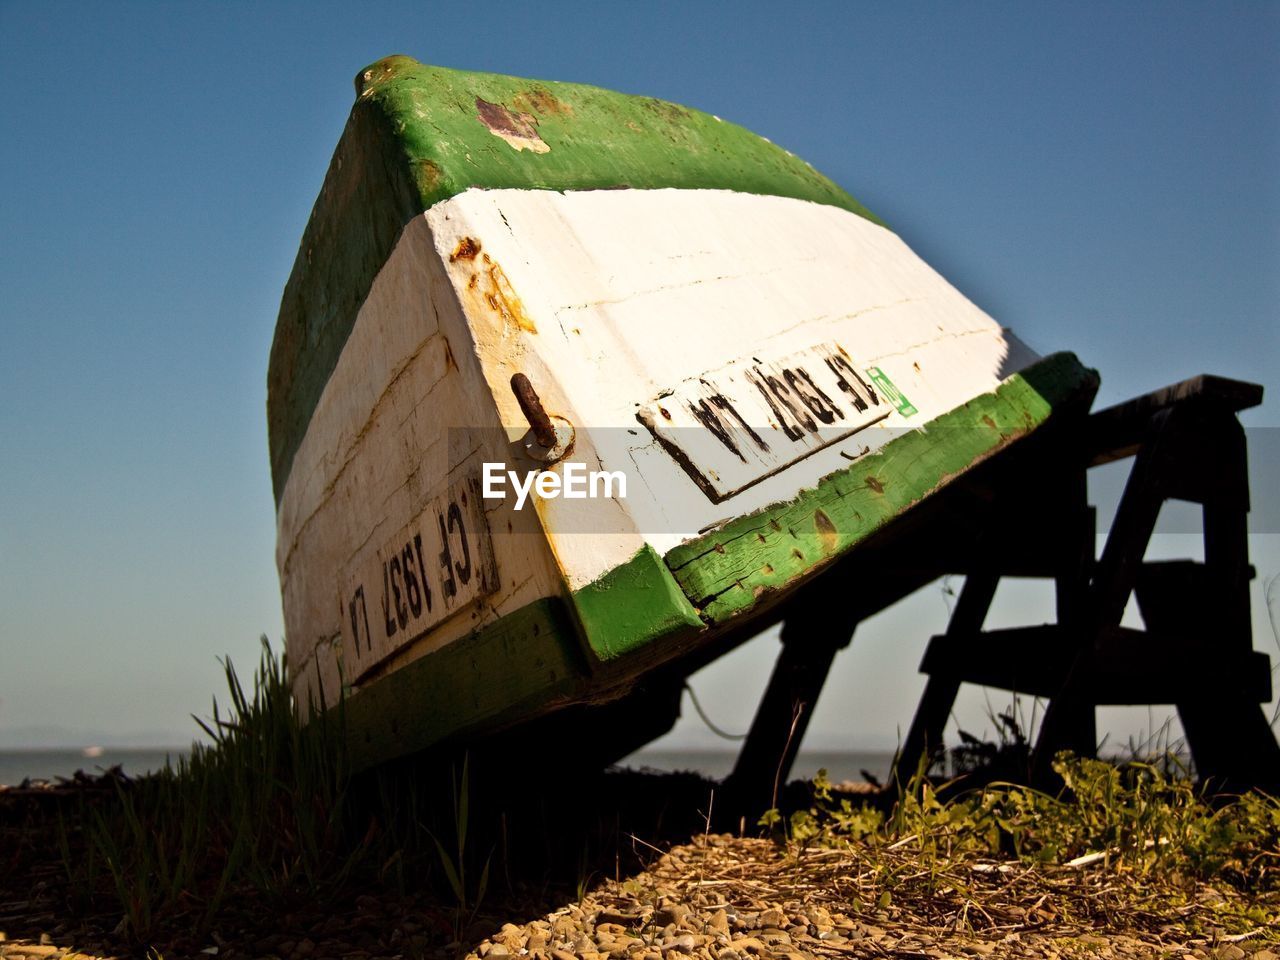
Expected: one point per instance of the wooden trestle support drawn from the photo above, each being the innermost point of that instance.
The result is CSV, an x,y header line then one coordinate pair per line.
x,y
1026,514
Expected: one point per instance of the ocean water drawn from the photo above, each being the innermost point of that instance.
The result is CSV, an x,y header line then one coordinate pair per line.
x,y
840,765
18,765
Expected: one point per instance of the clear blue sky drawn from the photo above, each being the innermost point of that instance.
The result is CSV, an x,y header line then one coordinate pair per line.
x,y
1101,177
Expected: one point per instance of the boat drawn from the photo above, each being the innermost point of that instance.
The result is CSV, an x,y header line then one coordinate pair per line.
x,y
571,390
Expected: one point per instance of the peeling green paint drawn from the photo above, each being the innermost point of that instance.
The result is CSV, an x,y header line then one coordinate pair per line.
x,y
633,605
420,134
728,571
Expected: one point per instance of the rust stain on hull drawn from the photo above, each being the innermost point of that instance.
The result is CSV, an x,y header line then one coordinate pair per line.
x,y
467,249
827,532
542,102
488,287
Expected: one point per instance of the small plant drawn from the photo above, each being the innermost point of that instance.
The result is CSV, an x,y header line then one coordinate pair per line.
x,y
467,902
825,819
263,804
1010,751
1128,820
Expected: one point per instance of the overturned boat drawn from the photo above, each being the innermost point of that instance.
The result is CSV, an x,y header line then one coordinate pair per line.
x,y
572,390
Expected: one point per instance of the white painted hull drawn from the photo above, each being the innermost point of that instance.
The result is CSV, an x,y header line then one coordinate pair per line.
x,y
607,300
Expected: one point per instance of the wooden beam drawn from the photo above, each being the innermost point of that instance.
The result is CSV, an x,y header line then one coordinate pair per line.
x,y
1116,432
816,625
925,736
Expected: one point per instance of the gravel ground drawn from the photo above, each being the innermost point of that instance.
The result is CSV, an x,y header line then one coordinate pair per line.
x,y
726,898
722,898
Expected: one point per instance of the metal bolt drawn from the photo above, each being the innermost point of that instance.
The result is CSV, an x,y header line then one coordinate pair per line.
x,y
543,430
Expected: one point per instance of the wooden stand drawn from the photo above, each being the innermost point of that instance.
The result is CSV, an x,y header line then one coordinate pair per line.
x,y
1026,514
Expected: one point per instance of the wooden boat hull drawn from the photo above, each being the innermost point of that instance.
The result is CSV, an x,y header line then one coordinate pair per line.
x,y
775,374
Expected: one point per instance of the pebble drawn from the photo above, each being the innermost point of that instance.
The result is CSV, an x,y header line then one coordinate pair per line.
x,y
681,944
771,918
621,918
669,915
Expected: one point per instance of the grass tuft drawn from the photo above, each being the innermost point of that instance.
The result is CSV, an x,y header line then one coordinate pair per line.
x,y
265,804
1128,836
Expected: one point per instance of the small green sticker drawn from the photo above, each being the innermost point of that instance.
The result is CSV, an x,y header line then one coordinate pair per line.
x,y
892,393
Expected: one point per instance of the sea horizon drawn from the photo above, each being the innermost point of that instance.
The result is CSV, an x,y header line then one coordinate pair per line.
x,y
50,763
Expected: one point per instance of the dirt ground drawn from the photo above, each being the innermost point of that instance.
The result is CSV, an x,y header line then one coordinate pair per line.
x,y
680,892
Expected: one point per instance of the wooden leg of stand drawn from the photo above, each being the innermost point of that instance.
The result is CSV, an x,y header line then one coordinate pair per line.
x,y
1226,536
1230,739
815,629
1070,722
1074,724
1231,742
924,739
